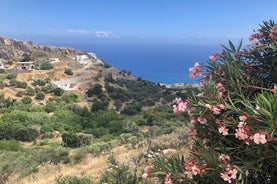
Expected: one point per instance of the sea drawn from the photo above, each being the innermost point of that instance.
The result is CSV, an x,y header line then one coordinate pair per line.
x,y
158,63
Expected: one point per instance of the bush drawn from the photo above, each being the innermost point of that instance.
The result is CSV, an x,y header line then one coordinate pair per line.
x,y
46,66
29,91
69,97
26,134
58,91
26,100
40,96
234,117
2,70
9,145
132,109
11,76
68,71
119,173
98,106
73,180
76,140
6,131
19,94
96,89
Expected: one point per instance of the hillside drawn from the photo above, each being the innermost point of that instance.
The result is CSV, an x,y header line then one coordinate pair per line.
x,y
61,107
72,70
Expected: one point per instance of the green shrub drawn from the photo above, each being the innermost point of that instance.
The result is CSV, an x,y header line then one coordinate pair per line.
x,y
6,131
119,173
26,134
73,180
9,145
19,93
98,105
46,66
69,97
29,91
68,71
26,100
11,76
58,91
76,140
132,109
40,96
2,70
96,89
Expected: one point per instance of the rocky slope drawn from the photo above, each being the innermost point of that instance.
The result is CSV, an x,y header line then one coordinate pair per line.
x,y
14,49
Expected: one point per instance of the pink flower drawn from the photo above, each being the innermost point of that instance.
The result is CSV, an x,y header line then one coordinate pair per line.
x,y
195,71
216,110
241,134
220,89
225,177
146,173
214,56
229,174
223,130
192,168
243,118
180,106
275,88
224,158
233,173
221,106
259,138
168,179
202,120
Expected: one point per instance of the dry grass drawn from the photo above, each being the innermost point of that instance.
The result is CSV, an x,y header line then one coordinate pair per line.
x,y
90,166
93,166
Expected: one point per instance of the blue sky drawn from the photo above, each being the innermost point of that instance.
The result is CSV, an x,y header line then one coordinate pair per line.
x,y
133,21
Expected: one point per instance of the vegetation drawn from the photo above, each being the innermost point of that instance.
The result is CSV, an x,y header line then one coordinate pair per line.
x,y
233,116
68,71
231,137
46,66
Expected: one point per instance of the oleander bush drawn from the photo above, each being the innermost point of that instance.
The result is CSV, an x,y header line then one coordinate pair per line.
x,y
233,117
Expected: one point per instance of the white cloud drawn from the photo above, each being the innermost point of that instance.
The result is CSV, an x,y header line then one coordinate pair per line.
x,y
79,31
102,34
98,34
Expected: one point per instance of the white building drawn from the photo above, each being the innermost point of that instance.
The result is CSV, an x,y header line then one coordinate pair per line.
x,y
83,59
93,55
54,60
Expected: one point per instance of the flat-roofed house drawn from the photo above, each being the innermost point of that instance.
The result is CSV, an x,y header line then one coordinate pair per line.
x,y
25,65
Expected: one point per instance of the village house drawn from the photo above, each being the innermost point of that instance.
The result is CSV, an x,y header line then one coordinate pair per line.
x,y
54,60
25,65
83,59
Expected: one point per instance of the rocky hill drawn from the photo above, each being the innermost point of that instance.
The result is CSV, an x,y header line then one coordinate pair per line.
x,y
14,49
29,70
